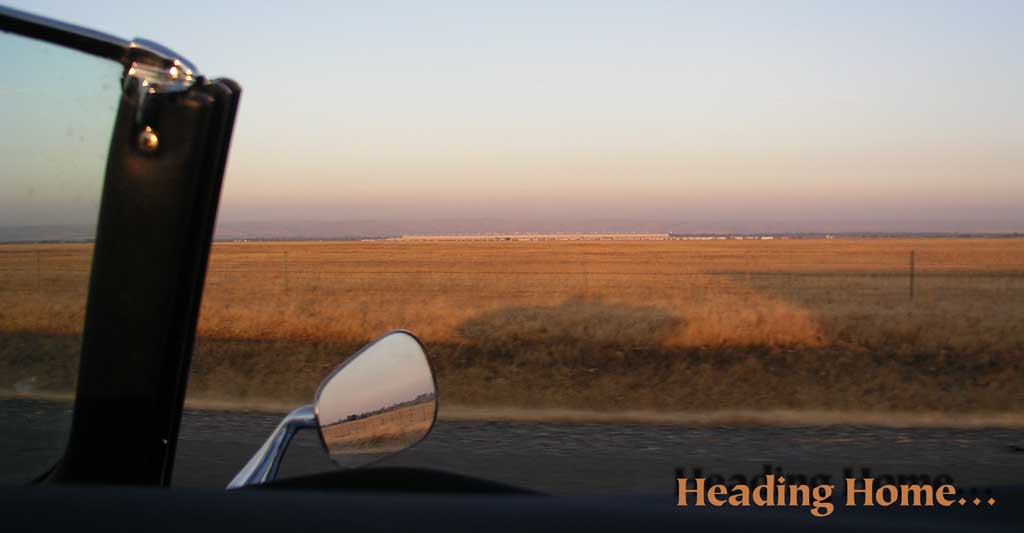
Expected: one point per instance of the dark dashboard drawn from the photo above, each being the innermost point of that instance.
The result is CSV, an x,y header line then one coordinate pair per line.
x,y
97,508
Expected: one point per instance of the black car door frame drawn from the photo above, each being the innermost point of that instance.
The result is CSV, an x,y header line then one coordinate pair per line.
x,y
161,188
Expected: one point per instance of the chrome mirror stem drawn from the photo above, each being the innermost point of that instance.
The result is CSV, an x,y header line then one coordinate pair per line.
x,y
263,465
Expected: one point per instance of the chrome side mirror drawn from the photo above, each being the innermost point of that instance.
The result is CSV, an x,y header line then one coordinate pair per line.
x,y
380,401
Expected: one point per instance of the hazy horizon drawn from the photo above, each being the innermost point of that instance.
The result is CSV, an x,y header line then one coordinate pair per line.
x,y
375,228
455,226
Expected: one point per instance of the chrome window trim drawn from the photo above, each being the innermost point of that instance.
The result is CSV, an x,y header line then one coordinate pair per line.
x,y
137,52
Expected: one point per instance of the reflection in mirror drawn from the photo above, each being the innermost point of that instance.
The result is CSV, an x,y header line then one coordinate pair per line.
x,y
58,108
380,401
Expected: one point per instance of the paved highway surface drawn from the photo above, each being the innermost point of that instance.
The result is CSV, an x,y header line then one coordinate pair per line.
x,y
563,458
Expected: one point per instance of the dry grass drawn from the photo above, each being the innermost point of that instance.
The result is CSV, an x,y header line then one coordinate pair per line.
x,y
386,432
746,417
668,325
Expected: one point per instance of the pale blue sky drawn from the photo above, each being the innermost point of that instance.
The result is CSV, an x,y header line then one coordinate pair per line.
x,y
661,110
54,141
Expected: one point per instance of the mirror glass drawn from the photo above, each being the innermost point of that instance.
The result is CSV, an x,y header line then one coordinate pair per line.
x,y
57,110
380,401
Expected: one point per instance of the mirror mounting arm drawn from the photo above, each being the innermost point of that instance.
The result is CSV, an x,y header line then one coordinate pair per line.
x,y
263,465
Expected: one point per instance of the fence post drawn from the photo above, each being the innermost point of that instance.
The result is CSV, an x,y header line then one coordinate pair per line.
x,y
39,272
586,280
286,272
911,275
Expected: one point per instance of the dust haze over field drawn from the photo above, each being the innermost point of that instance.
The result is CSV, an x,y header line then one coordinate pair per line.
x,y
666,326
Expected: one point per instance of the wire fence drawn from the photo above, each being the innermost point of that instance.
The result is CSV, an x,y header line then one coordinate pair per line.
x,y
53,272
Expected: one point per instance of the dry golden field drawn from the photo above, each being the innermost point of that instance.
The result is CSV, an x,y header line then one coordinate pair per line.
x,y
666,325
382,432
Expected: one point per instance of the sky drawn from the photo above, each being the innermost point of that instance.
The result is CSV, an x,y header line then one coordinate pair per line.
x,y
813,114
54,141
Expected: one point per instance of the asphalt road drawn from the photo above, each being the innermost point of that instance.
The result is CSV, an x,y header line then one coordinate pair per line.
x,y
564,458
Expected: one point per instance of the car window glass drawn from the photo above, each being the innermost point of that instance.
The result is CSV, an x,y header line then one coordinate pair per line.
x,y
58,111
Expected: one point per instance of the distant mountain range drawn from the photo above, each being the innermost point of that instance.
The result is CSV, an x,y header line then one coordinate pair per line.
x,y
370,229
